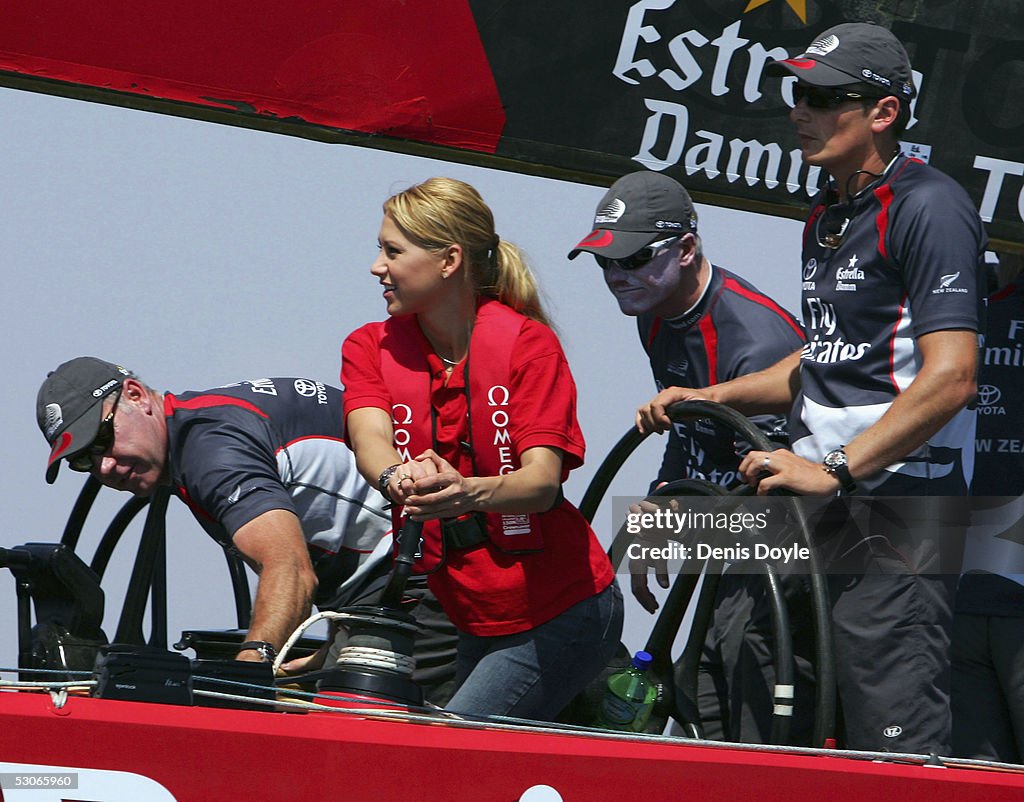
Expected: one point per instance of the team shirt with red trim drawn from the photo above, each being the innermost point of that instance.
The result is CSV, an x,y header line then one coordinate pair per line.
x,y
910,262
244,449
734,329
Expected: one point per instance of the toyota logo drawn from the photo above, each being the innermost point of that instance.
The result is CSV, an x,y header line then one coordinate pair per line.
x,y
305,387
810,269
988,394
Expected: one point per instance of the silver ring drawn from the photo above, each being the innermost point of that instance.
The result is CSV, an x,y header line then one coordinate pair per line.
x,y
767,462
404,478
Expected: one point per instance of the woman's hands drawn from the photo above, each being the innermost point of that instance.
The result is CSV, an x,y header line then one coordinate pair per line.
x,y
429,487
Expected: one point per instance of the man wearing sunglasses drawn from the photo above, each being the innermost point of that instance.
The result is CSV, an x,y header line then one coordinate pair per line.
x,y
893,258
700,324
264,469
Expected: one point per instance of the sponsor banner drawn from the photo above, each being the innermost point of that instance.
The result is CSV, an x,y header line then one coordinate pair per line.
x,y
679,86
584,91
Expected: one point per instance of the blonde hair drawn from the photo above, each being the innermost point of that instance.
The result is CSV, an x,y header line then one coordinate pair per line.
x,y
445,211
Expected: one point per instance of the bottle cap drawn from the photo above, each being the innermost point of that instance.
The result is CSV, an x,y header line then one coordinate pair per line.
x,y
642,660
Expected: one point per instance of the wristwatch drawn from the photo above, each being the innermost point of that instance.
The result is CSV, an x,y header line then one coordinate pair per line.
x,y
266,650
385,477
836,463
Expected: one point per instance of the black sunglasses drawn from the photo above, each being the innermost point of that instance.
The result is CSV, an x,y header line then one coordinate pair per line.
x,y
638,259
101,443
818,98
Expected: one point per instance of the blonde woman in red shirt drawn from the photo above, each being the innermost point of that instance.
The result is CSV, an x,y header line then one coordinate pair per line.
x,y
461,408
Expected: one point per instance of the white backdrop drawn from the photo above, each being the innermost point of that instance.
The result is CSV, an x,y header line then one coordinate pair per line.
x,y
198,254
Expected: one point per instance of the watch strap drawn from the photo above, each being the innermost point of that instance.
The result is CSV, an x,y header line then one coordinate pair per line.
x,y
842,472
266,650
385,477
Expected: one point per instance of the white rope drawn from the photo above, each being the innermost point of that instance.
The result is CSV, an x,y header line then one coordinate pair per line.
x,y
330,615
279,660
363,656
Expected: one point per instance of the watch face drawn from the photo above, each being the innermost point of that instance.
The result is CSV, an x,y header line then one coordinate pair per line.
x,y
834,459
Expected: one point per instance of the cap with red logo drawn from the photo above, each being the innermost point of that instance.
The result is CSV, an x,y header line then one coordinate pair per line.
x,y
638,209
70,404
853,53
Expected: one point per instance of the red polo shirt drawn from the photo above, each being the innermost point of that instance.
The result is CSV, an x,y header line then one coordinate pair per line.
x,y
483,590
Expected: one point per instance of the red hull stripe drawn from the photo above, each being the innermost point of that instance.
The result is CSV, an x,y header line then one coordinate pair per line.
x,y
253,748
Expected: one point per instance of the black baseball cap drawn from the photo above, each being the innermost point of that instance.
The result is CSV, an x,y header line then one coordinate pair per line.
x,y
638,209
853,53
70,404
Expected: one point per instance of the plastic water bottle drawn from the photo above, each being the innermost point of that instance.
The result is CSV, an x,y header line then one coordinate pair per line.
x,y
630,696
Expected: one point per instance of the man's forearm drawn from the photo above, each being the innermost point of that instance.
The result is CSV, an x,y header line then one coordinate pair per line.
x,y
284,599
771,390
944,385
273,545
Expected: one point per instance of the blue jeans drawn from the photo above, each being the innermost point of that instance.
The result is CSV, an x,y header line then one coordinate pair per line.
x,y
534,674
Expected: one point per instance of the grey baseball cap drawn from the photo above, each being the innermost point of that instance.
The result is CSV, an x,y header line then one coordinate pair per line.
x,y
69,406
853,53
638,209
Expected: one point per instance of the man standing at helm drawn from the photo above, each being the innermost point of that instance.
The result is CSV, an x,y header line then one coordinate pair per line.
x,y
892,285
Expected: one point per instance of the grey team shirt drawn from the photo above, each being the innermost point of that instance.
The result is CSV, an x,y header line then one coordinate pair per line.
x,y
911,262
732,330
244,449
